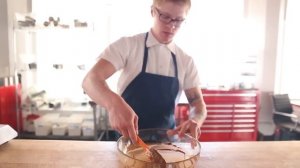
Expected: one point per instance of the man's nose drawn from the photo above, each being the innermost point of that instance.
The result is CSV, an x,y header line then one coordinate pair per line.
x,y
172,25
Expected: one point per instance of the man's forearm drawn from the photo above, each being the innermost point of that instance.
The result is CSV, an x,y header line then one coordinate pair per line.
x,y
198,112
98,91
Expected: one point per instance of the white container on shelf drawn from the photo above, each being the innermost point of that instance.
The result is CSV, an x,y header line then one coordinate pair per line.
x,y
59,127
74,129
43,125
74,125
88,128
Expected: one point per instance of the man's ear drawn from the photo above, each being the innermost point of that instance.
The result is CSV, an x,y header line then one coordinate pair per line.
x,y
152,12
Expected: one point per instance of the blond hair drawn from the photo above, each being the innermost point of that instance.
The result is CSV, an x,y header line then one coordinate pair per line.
x,y
187,3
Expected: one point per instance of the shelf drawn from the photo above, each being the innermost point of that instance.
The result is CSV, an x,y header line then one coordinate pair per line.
x,y
52,29
31,23
65,109
30,135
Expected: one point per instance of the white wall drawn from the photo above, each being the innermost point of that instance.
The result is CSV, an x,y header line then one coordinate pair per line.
x,y
270,14
4,50
7,10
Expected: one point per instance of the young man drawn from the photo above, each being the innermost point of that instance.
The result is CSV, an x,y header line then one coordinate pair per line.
x,y
155,72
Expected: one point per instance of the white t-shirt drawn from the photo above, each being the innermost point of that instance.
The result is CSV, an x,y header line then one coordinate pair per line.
x,y
127,54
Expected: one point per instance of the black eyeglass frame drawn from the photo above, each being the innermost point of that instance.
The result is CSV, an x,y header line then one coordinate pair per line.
x,y
167,19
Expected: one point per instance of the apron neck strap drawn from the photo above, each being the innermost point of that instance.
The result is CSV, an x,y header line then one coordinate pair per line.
x,y
145,54
175,64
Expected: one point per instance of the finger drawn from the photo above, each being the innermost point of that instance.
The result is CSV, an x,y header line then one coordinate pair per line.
x,y
132,134
183,129
178,128
199,132
124,133
171,132
136,125
175,131
194,132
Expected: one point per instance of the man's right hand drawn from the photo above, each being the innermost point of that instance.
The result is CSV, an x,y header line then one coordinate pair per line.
x,y
123,119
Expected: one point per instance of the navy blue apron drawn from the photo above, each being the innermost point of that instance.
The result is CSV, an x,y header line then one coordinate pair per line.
x,y
152,96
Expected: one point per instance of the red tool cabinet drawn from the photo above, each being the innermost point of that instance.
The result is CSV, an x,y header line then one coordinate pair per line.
x,y
232,115
10,101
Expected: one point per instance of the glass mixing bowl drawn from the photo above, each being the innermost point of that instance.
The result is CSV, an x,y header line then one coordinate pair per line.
x,y
133,156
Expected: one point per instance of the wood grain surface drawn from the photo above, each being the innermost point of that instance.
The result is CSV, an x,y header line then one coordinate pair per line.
x,y
85,154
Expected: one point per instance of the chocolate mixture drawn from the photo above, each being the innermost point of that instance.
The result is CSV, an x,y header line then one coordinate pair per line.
x,y
157,157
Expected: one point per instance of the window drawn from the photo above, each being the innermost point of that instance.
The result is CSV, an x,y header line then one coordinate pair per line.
x,y
290,58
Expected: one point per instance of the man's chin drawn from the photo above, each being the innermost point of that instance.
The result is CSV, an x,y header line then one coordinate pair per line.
x,y
167,40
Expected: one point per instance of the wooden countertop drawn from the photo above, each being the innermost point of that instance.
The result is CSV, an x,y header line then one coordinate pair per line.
x,y
77,154
296,102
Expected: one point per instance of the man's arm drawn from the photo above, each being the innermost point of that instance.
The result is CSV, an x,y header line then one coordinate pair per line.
x,y
121,116
94,84
197,116
198,110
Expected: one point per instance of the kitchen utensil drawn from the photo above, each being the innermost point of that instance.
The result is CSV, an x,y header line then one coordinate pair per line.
x,y
152,154
145,147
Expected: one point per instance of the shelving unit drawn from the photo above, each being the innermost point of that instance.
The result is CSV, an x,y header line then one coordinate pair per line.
x,y
67,111
51,58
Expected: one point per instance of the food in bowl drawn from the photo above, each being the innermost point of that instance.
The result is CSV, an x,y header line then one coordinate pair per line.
x,y
172,150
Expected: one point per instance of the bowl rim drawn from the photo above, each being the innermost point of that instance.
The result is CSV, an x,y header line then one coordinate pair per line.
x,y
153,129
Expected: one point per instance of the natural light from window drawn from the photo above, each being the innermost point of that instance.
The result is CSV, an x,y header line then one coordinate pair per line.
x,y
288,82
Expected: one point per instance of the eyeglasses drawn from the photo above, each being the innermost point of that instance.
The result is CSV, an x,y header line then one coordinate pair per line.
x,y
167,19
